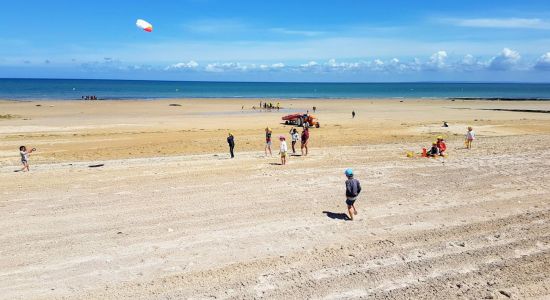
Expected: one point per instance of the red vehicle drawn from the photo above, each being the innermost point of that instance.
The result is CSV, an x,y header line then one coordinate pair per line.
x,y
301,119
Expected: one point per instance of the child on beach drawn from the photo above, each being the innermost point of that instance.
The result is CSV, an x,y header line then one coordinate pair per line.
x,y
268,141
283,150
295,136
25,157
441,145
470,137
353,189
434,151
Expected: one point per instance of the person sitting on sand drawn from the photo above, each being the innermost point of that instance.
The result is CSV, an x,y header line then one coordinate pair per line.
x,y
353,189
283,149
304,139
434,151
470,137
268,133
25,157
231,142
445,124
441,145
295,136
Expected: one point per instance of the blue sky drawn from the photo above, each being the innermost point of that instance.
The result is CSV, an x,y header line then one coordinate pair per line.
x,y
278,40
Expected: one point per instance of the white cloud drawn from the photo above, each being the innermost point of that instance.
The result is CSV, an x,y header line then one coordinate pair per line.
x,y
183,66
470,63
543,63
500,23
437,61
506,60
223,67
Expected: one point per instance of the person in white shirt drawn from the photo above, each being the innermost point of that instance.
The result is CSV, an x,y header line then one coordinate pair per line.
x,y
25,157
295,136
283,150
470,137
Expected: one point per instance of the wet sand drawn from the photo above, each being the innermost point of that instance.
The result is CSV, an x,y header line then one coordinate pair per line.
x,y
169,216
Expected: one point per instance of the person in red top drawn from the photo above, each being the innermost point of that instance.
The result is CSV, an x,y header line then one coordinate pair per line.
x,y
441,145
305,139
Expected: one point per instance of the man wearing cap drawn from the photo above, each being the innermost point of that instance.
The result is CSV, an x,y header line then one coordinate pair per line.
x,y
353,189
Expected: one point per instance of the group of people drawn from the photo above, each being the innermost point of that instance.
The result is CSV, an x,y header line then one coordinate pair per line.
x,y
89,97
439,147
295,136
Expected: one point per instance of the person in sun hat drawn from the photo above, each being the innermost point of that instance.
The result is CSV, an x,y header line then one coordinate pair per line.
x,y
283,150
353,189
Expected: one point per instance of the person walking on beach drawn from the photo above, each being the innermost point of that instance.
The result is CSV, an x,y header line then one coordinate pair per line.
x,y
353,114
314,109
25,157
470,137
283,149
305,139
295,136
231,142
268,133
353,189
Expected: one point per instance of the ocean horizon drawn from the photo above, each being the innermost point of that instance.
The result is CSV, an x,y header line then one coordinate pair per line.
x,y
117,89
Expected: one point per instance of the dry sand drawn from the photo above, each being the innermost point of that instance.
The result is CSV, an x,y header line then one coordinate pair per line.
x,y
169,216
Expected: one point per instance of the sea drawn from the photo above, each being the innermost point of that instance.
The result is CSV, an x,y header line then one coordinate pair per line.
x,y
72,89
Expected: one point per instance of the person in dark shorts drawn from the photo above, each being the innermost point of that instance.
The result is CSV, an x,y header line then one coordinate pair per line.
x,y
231,142
353,189
25,157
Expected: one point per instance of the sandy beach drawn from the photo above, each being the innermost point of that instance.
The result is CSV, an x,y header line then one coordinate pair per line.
x,y
170,216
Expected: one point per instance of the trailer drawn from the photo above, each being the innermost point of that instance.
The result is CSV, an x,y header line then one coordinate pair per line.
x,y
301,119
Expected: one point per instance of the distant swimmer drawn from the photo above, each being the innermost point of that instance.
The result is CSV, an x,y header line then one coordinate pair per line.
x,y
470,137
231,142
268,133
283,150
25,157
353,189
353,114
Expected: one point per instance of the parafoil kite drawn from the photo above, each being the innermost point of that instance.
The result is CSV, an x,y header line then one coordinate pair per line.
x,y
144,25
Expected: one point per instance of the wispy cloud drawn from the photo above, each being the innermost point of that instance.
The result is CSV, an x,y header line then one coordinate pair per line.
x,y
307,33
216,26
533,23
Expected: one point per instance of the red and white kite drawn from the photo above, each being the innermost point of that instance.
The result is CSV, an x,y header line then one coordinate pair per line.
x,y
144,25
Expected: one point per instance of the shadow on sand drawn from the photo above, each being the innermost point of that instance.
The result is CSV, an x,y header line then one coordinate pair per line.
x,y
337,216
